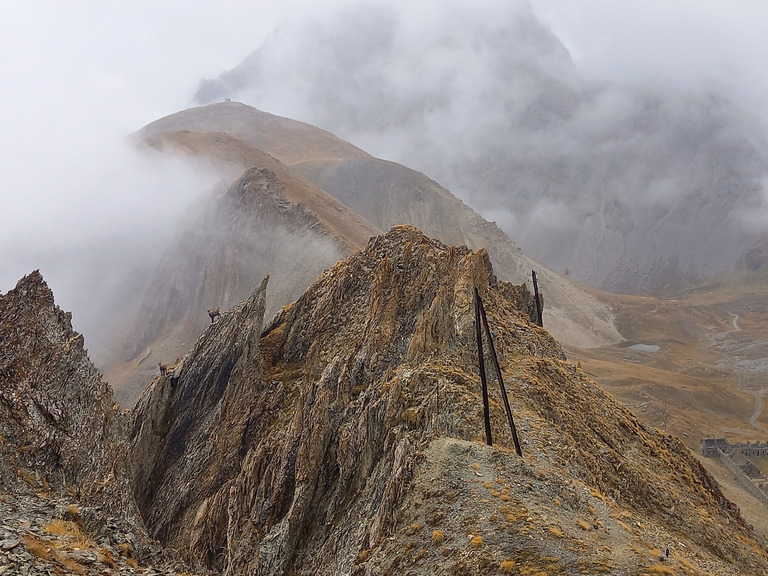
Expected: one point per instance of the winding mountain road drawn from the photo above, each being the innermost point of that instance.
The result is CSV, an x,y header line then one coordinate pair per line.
x,y
742,380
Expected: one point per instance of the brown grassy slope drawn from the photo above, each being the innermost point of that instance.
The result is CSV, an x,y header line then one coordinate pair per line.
x,y
704,379
709,366
288,140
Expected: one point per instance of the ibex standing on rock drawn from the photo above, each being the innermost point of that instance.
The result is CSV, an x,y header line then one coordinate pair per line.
x,y
214,313
163,368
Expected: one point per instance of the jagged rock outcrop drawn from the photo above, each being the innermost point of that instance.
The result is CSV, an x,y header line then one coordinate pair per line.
x,y
327,443
59,426
66,498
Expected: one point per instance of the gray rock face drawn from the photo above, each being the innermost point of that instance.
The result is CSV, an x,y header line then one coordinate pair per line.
x,y
250,231
210,401
59,425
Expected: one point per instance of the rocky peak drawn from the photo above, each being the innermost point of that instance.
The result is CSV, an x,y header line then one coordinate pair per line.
x,y
356,421
66,504
59,425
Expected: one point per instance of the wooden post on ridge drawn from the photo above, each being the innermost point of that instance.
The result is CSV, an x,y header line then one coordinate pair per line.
x,y
538,300
501,380
481,362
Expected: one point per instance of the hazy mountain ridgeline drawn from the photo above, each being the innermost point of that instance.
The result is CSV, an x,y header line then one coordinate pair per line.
x,y
346,437
385,194
628,188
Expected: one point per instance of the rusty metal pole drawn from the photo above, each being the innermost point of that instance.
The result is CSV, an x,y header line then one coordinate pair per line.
x,y
538,300
481,363
501,380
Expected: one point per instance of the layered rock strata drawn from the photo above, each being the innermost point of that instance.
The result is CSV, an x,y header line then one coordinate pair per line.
x,y
327,441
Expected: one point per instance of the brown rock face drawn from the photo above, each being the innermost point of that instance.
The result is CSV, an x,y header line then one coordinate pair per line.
x,y
59,426
328,441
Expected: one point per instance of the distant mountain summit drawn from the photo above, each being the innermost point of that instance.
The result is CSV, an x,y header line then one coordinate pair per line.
x,y
629,188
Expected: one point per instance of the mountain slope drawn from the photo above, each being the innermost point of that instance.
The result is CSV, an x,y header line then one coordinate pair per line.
x,y
66,501
58,422
387,194
347,438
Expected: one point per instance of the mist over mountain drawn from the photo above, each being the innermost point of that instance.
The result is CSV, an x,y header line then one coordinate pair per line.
x,y
629,185
300,199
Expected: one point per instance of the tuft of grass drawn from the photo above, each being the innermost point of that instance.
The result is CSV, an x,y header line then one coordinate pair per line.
x,y
363,555
507,567
37,547
416,527
555,531
69,532
583,525
26,476
106,557
438,537
411,415
476,541
660,569
72,566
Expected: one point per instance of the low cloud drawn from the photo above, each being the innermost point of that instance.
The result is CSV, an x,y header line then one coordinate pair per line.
x,y
644,111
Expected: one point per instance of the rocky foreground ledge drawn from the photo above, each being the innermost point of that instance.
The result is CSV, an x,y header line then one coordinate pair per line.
x,y
66,505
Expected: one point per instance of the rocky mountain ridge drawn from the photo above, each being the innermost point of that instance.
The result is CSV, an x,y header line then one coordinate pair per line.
x,y
324,198
66,500
349,434
346,436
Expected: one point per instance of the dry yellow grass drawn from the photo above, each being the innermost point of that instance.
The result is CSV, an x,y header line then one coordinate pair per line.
x,y
555,531
476,541
583,524
71,566
438,537
660,569
37,547
507,567
69,532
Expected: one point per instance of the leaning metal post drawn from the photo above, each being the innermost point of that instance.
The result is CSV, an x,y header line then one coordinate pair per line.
x,y
481,363
501,380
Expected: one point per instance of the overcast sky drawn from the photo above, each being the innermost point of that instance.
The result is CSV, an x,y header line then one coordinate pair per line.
x,y
77,76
